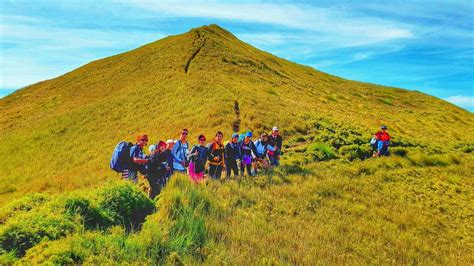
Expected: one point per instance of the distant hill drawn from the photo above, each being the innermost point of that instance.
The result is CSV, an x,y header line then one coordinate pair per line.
x,y
58,134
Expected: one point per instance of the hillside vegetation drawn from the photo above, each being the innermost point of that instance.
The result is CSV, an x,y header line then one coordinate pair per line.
x,y
328,203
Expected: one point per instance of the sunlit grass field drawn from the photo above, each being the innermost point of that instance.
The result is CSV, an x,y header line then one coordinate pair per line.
x,y
329,203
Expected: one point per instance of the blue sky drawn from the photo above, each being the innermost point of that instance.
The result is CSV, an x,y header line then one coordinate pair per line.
x,y
419,45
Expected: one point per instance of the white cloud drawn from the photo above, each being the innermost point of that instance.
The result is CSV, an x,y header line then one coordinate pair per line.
x,y
466,102
348,29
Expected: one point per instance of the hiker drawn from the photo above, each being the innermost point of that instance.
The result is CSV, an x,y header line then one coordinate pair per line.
x,y
216,157
232,153
169,156
274,149
383,141
247,147
261,146
156,169
198,158
180,152
138,158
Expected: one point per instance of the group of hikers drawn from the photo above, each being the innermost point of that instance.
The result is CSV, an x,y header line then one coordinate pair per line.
x,y
236,156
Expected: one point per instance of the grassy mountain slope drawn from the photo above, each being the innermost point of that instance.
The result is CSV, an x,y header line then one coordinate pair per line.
x,y
57,136
63,129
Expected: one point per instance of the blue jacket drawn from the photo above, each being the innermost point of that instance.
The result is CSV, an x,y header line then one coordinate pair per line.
x,y
180,152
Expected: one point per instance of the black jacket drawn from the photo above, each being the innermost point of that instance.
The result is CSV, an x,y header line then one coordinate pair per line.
x,y
157,164
275,141
232,151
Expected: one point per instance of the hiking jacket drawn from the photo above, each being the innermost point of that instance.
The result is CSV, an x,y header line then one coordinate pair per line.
x,y
157,163
203,153
169,157
383,136
232,151
216,150
247,149
136,152
261,147
180,152
275,141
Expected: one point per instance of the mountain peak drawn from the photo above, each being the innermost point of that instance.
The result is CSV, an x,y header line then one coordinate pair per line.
x,y
213,31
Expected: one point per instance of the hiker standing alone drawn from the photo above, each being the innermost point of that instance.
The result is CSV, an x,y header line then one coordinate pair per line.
x,y
138,158
275,141
216,156
383,141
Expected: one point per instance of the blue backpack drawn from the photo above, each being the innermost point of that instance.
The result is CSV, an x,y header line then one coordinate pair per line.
x,y
121,157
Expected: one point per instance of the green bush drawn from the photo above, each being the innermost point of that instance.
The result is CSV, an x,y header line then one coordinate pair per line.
x,y
398,151
26,230
92,216
23,204
126,205
355,151
320,152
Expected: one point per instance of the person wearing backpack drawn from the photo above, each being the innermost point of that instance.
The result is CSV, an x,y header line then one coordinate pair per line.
x,y
156,169
216,157
232,152
261,145
247,147
275,142
180,152
198,158
138,158
383,141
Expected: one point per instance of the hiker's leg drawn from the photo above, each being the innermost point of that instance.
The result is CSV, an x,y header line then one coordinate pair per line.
x,y
379,147
242,168
153,186
212,171
133,176
218,171
249,169
235,168
228,168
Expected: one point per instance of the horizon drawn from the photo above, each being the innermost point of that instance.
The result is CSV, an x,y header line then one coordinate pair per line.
x,y
427,51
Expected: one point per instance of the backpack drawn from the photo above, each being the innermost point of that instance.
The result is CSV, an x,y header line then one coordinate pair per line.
x,y
121,157
186,159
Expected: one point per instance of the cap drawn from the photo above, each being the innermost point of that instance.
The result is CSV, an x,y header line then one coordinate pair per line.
x,y
152,148
161,143
169,141
248,134
235,135
275,129
383,127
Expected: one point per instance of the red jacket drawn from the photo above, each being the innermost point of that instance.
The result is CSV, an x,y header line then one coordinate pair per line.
x,y
383,136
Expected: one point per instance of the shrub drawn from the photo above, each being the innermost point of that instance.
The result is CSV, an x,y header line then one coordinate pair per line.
x,y
92,216
402,152
320,152
355,151
23,204
126,205
27,230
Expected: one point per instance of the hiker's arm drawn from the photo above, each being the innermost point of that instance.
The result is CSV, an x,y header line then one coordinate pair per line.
x,y
140,160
